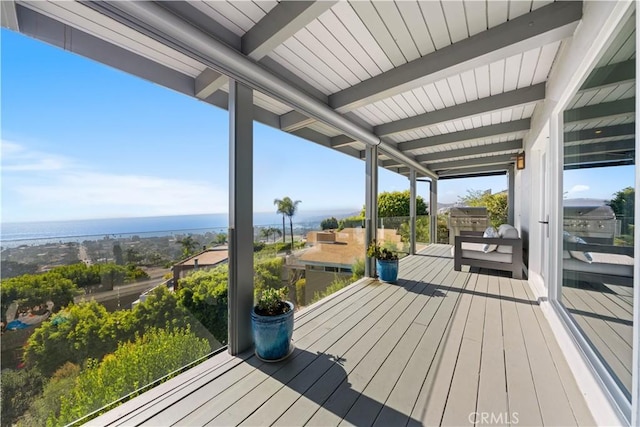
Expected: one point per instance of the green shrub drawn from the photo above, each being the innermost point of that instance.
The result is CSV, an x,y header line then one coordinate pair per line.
x,y
300,291
132,366
19,390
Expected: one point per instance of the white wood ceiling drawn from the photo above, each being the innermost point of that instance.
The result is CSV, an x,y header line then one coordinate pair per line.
x,y
354,41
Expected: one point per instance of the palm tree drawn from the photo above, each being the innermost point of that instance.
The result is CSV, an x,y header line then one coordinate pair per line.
x,y
275,232
287,207
281,209
189,244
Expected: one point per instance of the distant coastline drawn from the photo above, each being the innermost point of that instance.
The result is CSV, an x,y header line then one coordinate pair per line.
x,y
14,232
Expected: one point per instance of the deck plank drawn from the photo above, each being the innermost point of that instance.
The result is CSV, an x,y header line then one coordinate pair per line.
x,y
305,408
492,390
280,402
203,412
554,404
463,394
576,399
373,398
431,401
521,391
399,404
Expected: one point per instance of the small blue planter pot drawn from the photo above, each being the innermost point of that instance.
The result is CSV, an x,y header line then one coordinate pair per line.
x,y
387,270
272,334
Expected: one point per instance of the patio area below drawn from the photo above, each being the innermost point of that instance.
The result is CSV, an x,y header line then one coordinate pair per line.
x,y
440,347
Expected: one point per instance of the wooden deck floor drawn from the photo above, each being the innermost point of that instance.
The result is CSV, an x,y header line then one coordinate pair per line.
x,y
440,347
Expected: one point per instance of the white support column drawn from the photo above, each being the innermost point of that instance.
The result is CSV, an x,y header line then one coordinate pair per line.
x,y
240,216
433,212
412,212
511,173
371,205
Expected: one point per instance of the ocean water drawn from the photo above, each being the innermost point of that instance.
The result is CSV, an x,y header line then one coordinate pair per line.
x,y
12,233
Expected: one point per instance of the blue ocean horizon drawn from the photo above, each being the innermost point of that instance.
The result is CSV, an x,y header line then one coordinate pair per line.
x,y
151,226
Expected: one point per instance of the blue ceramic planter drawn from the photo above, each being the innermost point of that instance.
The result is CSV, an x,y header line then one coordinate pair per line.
x,y
387,270
272,334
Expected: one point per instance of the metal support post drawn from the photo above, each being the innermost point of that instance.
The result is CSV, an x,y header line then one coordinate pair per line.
x,y
371,205
412,212
240,216
433,212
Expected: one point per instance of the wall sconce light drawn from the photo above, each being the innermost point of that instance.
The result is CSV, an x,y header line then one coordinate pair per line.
x,y
520,161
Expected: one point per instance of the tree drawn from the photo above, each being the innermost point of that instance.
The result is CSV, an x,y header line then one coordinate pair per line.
x,y
30,290
275,232
397,204
117,254
19,390
48,404
75,334
329,223
133,256
189,245
287,207
204,294
496,204
221,238
623,205
281,209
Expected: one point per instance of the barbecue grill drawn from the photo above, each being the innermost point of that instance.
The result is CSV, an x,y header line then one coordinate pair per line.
x,y
595,224
466,219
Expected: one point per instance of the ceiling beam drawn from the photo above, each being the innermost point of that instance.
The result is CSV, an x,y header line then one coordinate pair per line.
x,y
281,23
612,74
51,31
605,110
477,161
465,135
472,151
484,105
601,132
497,169
600,148
324,140
208,82
294,120
498,147
548,24
8,15
341,141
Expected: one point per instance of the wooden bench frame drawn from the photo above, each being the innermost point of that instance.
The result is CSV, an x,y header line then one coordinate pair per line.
x,y
515,266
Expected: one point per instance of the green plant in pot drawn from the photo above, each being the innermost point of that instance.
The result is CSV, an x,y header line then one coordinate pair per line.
x,y
272,325
386,262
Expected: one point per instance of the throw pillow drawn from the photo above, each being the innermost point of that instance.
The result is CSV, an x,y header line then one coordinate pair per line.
x,y
490,232
507,231
580,256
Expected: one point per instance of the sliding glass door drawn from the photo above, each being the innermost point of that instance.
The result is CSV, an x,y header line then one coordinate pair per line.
x,y
596,287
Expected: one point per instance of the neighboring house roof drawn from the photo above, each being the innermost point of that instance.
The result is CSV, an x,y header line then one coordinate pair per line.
x,y
206,258
348,247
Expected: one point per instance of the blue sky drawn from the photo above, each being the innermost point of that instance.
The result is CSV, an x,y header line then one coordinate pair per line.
x,y
82,140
